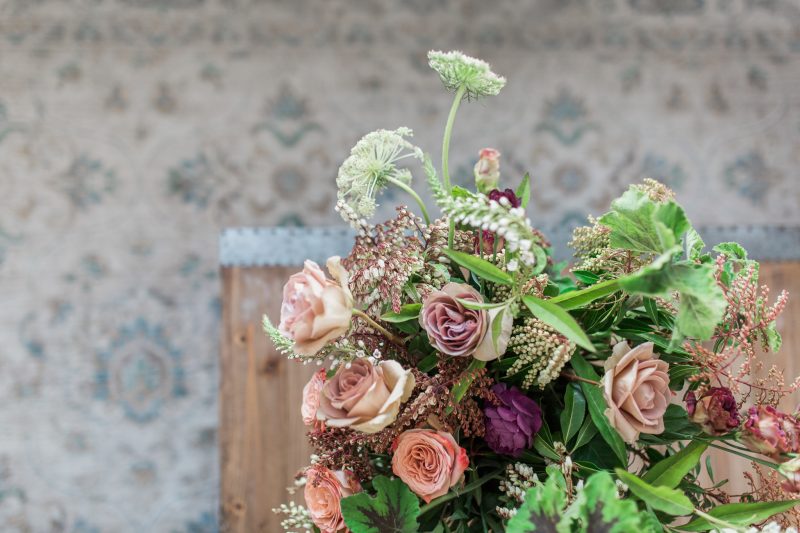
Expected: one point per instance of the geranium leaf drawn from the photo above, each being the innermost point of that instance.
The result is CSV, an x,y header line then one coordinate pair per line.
x,y
556,317
740,514
661,498
393,510
480,267
670,471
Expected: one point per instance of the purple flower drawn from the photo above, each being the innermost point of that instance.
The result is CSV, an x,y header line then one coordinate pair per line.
x,y
512,425
716,410
508,194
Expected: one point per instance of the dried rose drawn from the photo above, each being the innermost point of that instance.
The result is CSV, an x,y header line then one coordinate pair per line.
x,y
364,396
487,170
452,328
636,388
429,462
512,425
770,432
715,411
323,493
316,310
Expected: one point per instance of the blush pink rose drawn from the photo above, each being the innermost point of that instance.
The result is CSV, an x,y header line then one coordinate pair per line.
x,y
324,491
429,462
364,396
452,328
311,395
771,432
316,310
636,388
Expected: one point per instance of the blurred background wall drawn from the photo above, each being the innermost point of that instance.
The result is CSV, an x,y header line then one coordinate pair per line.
x,y
132,131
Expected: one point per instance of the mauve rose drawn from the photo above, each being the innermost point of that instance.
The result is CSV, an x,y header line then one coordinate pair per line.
x,y
770,432
636,388
487,170
311,395
323,492
429,462
511,426
316,310
452,328
364,396
715,411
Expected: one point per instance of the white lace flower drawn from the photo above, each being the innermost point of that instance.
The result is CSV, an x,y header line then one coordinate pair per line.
x,y
459,70
371,166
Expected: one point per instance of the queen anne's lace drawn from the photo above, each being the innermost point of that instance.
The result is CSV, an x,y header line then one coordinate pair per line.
x,y
371,166
459,70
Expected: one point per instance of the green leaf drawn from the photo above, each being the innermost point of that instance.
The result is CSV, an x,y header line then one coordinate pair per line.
x,y
733,250
524,191
774,339
472,304
480,267
428,362
678,373
670,471
574,411
585,434
556,317
664,499
597,407
694,244
393,510
406,313
583,297
460,388
586,277
740,514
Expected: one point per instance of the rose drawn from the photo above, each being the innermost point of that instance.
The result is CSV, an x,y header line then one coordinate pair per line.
x,y
770,432
316,310
311,395
452,328
512,425
429,462
364,396
791,470
636,388
715,411
323,492
487,170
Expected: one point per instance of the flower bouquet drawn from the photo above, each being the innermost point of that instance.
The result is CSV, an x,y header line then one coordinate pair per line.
x,y
472,384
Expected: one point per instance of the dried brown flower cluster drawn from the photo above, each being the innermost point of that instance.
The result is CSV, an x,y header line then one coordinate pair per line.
x,y
748,323
765,486
656,191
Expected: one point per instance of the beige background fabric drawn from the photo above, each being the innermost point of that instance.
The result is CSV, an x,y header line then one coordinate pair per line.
x,y
132,131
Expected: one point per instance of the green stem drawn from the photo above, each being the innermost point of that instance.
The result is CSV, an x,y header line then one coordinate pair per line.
x,y
448,132
414,195
740,454
394,339
457,493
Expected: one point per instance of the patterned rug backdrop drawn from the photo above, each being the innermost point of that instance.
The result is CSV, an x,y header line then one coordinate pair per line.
x,y
132,131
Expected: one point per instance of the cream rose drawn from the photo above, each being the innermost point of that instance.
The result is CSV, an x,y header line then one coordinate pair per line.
x,y
324,491
429,462
636,388
364,396
316,310
311,394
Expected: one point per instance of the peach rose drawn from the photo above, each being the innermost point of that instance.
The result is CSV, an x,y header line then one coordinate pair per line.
x,y
364,396
316,310
311,394
429,462
636,387
323,493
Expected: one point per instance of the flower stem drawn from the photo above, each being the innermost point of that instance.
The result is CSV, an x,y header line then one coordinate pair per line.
x,y
394,339
448,132
455,493
414,195
573,377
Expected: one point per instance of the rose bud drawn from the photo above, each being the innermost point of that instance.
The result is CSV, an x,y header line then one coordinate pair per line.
x,y
429,462
487,170
715,411
364,396
512,425
311,395
323,493
452,328
770,432
636,388
316,310
791,470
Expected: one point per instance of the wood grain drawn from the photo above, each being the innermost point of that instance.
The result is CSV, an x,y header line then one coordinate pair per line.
x,y
262,438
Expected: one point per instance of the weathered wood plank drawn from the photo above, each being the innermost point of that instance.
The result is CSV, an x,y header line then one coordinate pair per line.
x,y
262,437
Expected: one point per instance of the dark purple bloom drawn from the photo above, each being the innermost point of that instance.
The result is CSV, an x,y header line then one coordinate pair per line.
x,y
716,410
508,194
512,425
